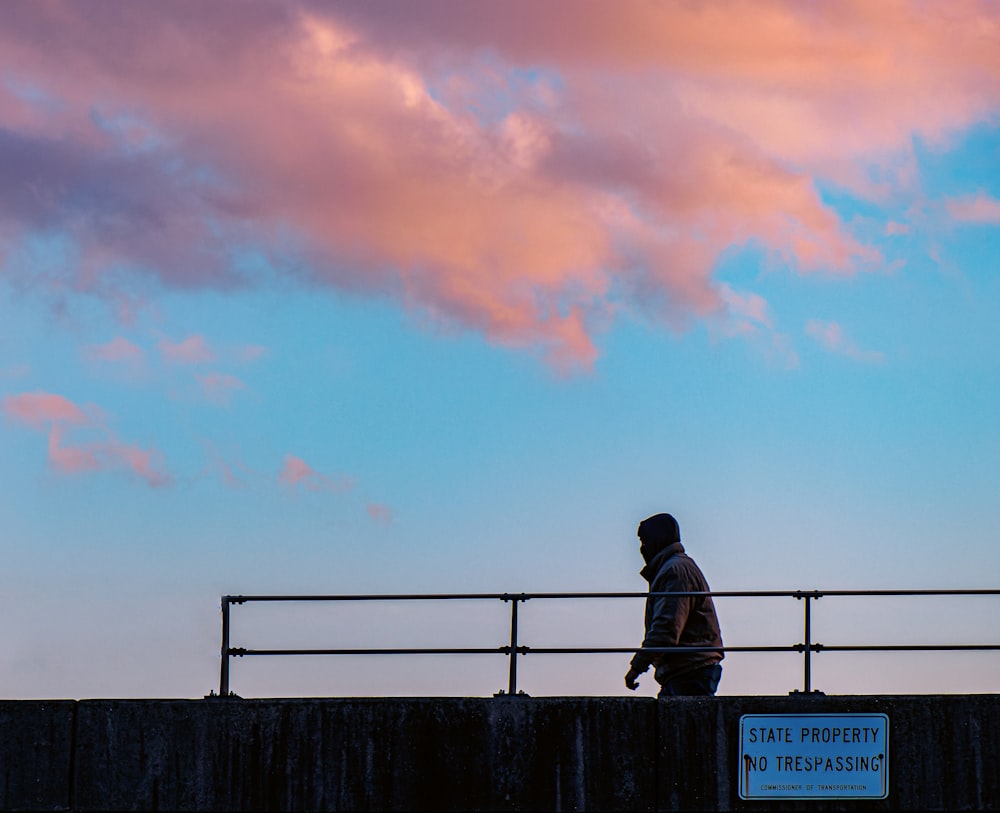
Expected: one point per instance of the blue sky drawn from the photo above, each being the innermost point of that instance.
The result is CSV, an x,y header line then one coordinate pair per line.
x,y
426,350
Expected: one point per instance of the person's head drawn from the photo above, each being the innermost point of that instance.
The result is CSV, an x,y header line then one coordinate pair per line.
x,y
656,533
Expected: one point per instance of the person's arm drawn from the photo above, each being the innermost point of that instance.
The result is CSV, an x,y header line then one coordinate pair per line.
x,y
669,615
631,676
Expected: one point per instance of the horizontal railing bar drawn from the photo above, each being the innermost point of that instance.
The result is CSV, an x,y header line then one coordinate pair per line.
x,y
240,652
375,597
526,596
774,593
505,650
799,648
908,648
529,650
990,591
521,650
598,650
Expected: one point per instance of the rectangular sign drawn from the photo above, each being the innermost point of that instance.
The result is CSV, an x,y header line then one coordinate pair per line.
x,y
814,756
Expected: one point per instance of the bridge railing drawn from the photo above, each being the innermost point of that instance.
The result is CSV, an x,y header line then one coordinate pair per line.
x,y
513,648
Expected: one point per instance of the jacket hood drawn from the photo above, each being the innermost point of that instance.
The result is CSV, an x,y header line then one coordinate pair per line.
x,y
656,533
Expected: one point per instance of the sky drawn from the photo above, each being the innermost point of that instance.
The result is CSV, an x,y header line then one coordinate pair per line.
x,y
446,297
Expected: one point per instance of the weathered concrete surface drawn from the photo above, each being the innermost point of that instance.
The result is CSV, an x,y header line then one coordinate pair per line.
x,y
374,754
35,754
506,753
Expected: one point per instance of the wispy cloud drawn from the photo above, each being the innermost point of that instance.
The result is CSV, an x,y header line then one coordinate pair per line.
x,y
193,349
70,459
228,466
980,208
745,312
832,337
102,451
119,349
296,473
219,388
379,513
251,352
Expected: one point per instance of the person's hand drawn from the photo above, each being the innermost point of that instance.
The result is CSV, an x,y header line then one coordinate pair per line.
x,y
630,680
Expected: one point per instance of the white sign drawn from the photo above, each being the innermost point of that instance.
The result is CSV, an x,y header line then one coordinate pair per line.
x,y
814,756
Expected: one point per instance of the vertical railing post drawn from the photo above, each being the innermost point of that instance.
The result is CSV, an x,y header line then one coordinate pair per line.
x,y
807,688
512,677
224,668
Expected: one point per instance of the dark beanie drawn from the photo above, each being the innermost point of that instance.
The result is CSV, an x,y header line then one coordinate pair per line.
x,y
657,532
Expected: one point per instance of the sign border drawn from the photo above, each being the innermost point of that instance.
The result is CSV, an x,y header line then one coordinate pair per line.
x,y
885,761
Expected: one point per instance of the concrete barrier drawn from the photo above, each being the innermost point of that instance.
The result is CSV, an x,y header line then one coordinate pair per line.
x,y
504,753
36,754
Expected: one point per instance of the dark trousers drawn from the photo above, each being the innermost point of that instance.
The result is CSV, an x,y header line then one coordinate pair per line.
x,y
703,681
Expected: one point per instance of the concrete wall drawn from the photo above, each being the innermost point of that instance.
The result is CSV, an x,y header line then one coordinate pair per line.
x,y
505,753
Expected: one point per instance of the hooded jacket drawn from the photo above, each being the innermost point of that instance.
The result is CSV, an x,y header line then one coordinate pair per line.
x,y
673,620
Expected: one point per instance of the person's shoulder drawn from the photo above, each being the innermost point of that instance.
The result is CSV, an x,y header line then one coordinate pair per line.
x,y
685,560
679,558
682,565
672,565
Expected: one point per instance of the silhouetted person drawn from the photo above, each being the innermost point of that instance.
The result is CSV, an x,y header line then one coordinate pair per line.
x,y
673,620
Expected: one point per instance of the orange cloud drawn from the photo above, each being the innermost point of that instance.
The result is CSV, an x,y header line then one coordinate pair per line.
x,y
505,167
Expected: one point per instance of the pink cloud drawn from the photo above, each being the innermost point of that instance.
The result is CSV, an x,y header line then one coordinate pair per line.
x,y
105,455
39,408
377,149
379,513
147,464
747,312
979,208
252,352
119,349
831,336
295,470
191,350
229,476
224,468
296,473
70,460
220,387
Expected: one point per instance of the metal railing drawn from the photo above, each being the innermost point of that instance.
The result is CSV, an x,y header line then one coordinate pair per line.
x,y
513,648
